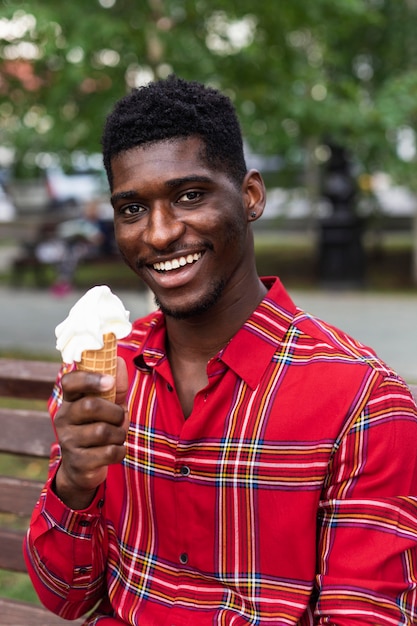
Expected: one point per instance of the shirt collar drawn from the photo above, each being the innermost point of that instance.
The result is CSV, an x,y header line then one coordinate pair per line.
x,y
257,339
261,334
152,346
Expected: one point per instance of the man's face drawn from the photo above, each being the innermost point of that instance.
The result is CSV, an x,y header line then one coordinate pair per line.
x,y
180,225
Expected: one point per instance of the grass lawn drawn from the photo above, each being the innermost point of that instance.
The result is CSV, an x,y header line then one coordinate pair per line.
x,y
17,587
294,259
292,256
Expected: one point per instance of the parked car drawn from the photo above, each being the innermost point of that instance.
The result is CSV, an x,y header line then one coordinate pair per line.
x,y
72,189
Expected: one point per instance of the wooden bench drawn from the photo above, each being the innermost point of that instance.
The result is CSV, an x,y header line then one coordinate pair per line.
x,y
26,433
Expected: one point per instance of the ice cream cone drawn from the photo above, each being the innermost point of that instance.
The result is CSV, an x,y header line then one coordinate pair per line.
x,y
103,360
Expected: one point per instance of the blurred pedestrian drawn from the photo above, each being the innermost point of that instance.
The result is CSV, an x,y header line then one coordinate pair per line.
x,y
78,239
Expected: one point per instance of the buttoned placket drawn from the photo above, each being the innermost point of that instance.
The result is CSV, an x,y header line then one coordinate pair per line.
x,y
183,468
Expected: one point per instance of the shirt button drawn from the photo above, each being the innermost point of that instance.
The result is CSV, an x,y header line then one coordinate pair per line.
x,y
184,558
185,470
84,523
170,387
100,504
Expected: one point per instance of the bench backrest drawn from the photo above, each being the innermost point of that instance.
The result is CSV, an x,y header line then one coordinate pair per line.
x,y
26,432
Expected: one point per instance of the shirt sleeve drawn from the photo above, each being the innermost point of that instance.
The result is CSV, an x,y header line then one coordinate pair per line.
x,y
367,560
65,550
64,554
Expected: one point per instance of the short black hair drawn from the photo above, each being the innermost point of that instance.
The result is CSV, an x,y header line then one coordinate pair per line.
x,y
171,108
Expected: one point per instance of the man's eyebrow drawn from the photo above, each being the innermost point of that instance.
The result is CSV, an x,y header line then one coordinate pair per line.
x,y
193,178
173,182
122,195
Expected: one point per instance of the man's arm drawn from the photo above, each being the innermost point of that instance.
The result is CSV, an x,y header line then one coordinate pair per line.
x,y
65,553
65,547
367,559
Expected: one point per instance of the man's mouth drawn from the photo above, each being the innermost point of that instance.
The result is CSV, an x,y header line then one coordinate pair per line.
x,y
175,264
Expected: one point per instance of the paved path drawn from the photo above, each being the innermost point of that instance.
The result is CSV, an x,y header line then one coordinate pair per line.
x,y
387,323
28,317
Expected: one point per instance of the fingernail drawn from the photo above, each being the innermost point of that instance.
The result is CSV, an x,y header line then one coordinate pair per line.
x,y
106,382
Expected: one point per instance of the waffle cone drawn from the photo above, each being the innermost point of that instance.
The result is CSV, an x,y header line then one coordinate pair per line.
x,y
103,360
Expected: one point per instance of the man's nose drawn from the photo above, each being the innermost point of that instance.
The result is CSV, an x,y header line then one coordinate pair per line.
x,y
163,227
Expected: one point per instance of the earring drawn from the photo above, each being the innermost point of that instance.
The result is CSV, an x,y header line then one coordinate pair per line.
x,y
253,214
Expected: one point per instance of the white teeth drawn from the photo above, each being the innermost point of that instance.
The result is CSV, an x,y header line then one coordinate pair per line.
x,y
174,264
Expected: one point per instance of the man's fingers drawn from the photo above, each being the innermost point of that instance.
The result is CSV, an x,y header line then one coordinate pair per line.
x,y
89,409
90,461
91,432
82,471
77,384
93,435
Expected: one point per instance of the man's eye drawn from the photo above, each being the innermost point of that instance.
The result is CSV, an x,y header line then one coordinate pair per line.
x,y
190,196
132,209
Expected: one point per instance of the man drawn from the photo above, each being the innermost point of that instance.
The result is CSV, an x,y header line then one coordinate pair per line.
x,y
267,472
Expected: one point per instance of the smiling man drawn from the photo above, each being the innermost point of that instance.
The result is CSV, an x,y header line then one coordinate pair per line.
x,y
186,231
258,466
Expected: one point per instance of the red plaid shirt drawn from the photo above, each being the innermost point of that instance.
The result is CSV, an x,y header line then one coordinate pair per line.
x,y
287,497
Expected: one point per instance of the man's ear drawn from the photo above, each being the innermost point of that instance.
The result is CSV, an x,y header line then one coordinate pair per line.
x,y
254,195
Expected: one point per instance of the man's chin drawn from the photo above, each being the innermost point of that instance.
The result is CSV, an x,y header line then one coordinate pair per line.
x,y
193,309
181,312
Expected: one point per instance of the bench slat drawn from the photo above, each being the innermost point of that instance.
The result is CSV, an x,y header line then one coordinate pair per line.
x,y
11,553
18,495
15,613
27,379
26,432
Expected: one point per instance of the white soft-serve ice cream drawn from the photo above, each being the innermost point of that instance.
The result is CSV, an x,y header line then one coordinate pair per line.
x,y
89,334
96,314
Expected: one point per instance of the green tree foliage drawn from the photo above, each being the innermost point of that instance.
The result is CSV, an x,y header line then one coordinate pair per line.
x,y
299,72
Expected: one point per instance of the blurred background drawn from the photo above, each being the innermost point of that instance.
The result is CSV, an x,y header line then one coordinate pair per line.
x,y
326,92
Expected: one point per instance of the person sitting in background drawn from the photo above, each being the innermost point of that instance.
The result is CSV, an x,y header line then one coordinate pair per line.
x,y
259,465
80,239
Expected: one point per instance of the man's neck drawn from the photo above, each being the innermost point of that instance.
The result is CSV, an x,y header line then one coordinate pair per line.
x,y
192,342
202,336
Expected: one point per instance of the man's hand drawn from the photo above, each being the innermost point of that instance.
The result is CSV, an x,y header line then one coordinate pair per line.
x,y
91,432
